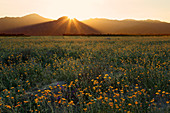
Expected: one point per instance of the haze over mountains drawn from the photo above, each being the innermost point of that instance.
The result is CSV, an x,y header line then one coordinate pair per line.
x,y
34,24
7,23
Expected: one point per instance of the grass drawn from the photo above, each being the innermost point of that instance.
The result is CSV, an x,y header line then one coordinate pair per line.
x,y
99,74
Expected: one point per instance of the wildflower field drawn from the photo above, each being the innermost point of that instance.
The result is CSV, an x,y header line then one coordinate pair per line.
x,y
87,74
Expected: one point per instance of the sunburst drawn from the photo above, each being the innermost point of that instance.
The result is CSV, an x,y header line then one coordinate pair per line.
x,y
71,17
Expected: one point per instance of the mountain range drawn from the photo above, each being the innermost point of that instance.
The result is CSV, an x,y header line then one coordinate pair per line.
x,y
37,25
129,26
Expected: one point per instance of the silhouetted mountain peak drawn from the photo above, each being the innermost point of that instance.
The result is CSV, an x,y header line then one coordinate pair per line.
x,y
7,23
33,15
63,18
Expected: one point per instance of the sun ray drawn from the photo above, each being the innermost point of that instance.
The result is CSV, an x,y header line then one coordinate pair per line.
x,y
68,28
71,17
77,26
59,25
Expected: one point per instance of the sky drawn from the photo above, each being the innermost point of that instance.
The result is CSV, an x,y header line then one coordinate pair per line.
x,y
85,9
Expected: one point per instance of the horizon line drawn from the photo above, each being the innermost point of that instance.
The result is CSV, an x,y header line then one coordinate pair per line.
x,y
121,19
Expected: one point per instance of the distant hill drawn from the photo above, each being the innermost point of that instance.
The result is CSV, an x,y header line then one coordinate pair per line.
x,y
57,27
15,22
129,26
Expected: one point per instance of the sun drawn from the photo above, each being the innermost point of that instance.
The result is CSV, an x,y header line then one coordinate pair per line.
x,y
71,17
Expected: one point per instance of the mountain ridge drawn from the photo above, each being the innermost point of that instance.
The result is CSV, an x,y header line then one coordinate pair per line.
x,y
56,27
129,26
16,22
96,25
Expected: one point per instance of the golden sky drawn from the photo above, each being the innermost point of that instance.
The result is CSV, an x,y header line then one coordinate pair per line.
x,y
85,9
